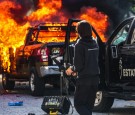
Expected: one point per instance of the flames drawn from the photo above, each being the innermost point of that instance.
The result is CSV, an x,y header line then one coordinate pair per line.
x,y
12,33
97,19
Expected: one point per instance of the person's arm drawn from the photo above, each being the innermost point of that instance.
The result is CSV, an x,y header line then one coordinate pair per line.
x,y
79,58
78,61
69,72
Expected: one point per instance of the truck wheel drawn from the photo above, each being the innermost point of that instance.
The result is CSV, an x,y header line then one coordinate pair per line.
x,y
37,84
6,83
102,103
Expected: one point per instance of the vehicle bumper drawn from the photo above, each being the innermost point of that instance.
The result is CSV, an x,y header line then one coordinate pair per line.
x,y
49,70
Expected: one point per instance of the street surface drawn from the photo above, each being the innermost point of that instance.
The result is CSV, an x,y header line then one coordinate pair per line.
x,y
33,104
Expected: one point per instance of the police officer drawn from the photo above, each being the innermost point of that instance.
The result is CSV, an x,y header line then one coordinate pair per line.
x,y
86,68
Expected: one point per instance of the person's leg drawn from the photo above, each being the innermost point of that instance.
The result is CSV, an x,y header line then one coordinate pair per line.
x,y
80,100
91,97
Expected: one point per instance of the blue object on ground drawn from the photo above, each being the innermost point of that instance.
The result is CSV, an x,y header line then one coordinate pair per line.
x,y
18,103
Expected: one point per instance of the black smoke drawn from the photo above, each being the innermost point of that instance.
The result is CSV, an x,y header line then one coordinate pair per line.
x,y
19,14
116,10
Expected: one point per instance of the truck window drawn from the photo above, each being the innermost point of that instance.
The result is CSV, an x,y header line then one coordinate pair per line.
x,y
121,36
54,36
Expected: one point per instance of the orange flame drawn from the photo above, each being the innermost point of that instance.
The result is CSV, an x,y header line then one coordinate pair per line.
x,y
12,34
49,11
97,19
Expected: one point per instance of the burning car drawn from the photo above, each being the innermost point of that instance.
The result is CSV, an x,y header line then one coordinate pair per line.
x,y
32,61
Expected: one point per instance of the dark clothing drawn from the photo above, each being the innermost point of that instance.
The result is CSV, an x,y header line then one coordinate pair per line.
x,y
86,57
85,97
86,64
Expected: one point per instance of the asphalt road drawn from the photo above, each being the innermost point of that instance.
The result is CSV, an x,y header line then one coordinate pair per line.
x,y
33,104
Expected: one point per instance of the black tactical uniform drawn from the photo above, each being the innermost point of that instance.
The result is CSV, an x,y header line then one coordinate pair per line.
x,y
86,65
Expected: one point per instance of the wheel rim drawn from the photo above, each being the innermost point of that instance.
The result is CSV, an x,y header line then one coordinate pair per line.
x,y
98,98
32,86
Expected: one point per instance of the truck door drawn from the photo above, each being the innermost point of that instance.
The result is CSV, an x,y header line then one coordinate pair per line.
x,y
128,58
120,53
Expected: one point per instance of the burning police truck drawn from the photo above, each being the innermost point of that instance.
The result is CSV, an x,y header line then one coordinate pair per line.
x,y
32,61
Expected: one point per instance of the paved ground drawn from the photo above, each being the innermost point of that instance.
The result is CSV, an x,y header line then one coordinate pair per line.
x,y
33,104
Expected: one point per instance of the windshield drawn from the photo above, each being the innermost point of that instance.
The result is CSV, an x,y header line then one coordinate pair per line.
x,y
54,36
122,35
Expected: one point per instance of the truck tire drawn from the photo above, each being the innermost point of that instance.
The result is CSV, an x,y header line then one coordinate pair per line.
x,y
36,84
6,83
102,103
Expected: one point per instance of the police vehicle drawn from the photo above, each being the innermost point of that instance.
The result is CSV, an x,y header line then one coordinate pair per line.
x,y
117,64
32,61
